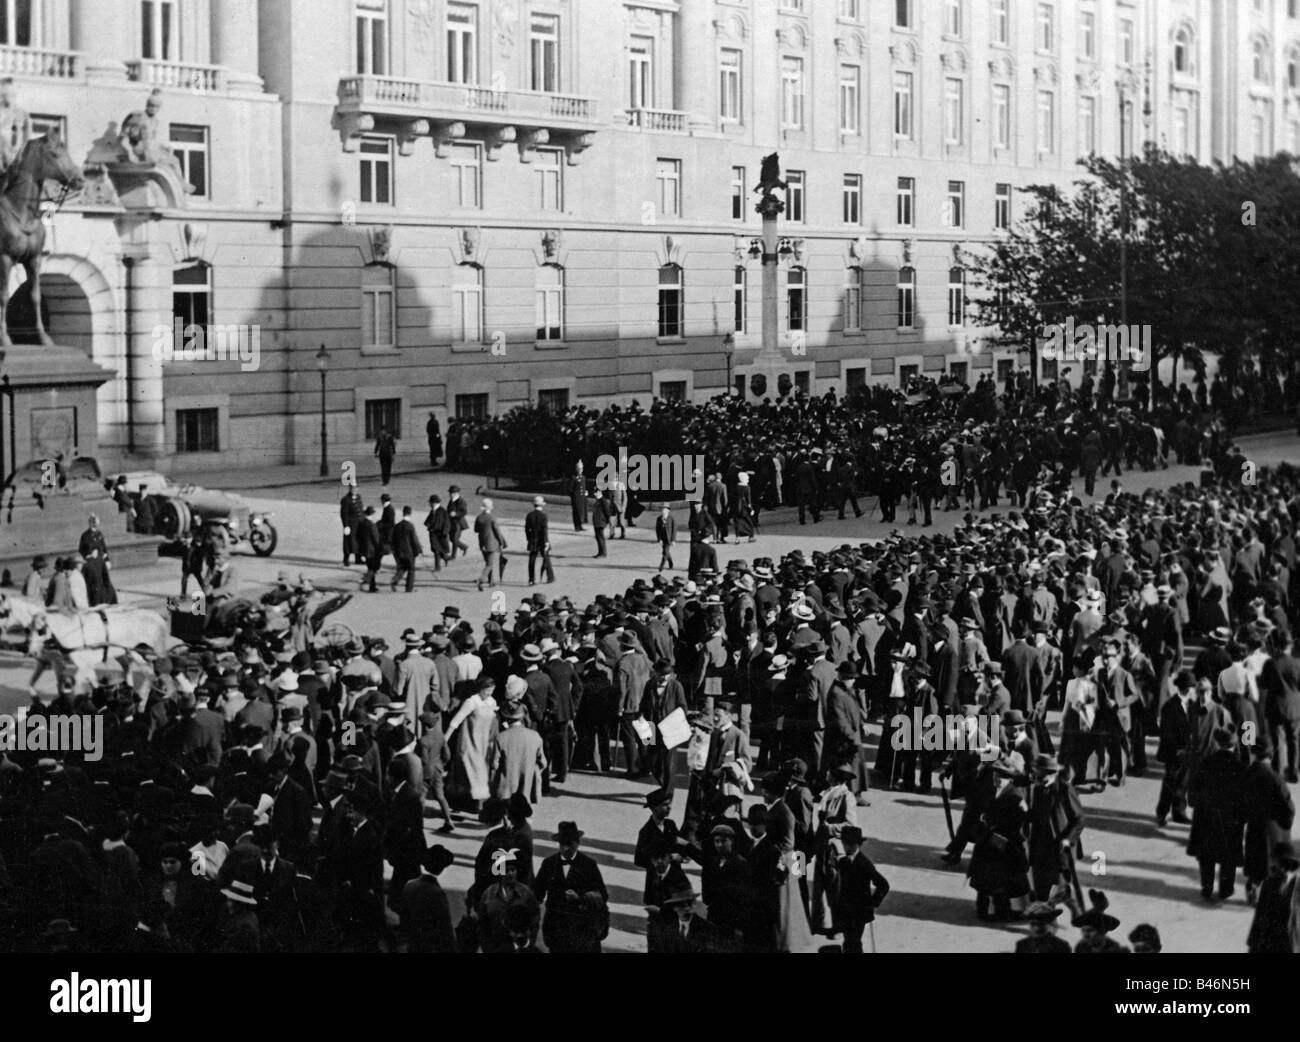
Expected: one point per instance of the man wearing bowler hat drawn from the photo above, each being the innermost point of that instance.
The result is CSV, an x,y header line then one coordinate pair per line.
x,y
861,890
571,889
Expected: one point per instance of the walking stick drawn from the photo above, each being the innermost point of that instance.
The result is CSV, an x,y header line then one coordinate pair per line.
x,y
947,809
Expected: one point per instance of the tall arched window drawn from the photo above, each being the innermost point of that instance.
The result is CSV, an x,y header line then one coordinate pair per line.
x,y
670,301
192,294
906,298
740,297
956,297
852,299
378,311
1293,68
796,299
1183,50
1259,60
467,304
550,302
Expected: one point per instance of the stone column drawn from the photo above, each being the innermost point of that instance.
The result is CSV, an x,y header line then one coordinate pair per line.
x,y
148,304
102,33
695,65
235,42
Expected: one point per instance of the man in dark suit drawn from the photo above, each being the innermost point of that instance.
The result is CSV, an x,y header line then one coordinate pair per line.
x,y
369,547
578,496
536,532
404,833
291,813
561,709
1175,748
666,534
1280,681
350,515
806,490
1018,663
687,933
361,875
426,913
201,731
274,883
1117,694
600,514
663,695
570,886
406,548
861,891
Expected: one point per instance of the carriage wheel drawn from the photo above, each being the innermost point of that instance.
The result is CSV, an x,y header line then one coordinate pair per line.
x,y
335,635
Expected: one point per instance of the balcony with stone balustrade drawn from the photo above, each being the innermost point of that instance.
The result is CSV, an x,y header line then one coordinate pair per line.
x,y
667,121
40,62
419,108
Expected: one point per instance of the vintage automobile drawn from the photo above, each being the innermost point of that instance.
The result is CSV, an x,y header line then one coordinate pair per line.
x,y
180,509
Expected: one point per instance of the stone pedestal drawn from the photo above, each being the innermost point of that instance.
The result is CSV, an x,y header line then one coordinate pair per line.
x,y
52,413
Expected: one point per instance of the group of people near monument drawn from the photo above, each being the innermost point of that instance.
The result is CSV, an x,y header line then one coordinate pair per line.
x,y
272,797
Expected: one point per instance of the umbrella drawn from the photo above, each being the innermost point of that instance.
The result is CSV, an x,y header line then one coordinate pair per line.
x,y
917,399
950,390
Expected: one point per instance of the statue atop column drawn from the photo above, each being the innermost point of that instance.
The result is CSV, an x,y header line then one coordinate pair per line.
x,y
769,179
143,140
15,125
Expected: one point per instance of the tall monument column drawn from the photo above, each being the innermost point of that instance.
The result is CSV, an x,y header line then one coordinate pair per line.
x,y
694,63
101,33
235,41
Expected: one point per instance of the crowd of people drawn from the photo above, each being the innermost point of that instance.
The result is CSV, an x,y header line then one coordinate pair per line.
x,y
271,797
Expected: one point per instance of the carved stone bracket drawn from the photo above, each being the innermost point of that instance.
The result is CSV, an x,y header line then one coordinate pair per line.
x,y
907,245
409,132
443,135
496,140
552,241
529,140
575,145
859,247
351,125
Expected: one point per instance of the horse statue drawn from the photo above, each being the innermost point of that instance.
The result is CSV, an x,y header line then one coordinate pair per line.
x,y
22,232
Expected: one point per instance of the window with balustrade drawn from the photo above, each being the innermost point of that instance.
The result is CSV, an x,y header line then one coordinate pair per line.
x,y
371,37
159,32
641,73
190,147
462,43
544,52
20,23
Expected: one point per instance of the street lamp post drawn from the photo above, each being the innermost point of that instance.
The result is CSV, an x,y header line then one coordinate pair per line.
x,y
729,350
322,363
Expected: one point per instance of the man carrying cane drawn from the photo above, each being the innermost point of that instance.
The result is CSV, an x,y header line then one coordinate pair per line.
x,y
861,891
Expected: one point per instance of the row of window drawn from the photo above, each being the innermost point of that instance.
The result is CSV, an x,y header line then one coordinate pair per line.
x,y
670,300
461,34
953,214
465,163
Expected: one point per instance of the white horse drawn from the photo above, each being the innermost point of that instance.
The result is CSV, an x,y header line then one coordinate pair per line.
x,y
85,638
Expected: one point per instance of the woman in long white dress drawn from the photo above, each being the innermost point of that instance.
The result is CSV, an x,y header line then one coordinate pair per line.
x,y
474,748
